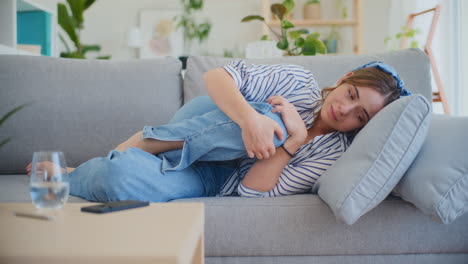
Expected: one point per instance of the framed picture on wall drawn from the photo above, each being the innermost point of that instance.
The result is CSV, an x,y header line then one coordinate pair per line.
x,y
159,35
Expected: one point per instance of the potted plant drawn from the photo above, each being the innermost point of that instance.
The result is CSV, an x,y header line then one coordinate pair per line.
x,y
393,43
312,10
331,40
192,30
292,42
73,25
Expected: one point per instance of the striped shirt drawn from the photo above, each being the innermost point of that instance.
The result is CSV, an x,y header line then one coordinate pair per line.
x,y
298,86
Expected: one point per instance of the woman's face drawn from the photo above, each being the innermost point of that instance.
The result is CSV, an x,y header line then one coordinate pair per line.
x,y
350,107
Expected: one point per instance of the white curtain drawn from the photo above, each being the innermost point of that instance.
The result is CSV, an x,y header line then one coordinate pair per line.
x,y
462,65
444,44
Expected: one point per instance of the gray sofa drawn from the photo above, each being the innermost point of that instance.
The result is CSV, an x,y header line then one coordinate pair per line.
x,y
87,107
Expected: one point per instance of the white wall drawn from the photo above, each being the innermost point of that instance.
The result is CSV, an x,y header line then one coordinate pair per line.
x,y
49,4
107,22
463,85
375,25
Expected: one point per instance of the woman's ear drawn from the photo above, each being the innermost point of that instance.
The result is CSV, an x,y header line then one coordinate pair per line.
x,y
340,81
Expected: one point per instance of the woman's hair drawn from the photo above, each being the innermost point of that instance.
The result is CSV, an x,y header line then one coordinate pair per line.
x,y
374,78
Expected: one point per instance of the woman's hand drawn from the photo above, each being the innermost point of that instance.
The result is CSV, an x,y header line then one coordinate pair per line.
x,y
48,166
257,134
292,120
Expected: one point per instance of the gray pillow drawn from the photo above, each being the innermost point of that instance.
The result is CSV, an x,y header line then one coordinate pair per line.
x,y
437,181
376,160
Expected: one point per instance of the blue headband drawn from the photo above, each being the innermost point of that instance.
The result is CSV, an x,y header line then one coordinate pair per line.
x,y
390,70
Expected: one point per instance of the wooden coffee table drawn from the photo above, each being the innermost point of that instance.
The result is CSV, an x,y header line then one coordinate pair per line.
x,y
159,233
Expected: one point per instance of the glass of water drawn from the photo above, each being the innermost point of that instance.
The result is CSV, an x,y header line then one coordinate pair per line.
x,y
49,185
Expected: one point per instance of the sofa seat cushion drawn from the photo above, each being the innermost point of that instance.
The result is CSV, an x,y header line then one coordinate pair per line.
x,y
14,188
304,225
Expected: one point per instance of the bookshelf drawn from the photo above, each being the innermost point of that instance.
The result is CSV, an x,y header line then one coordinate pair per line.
x,y
355,22
24,23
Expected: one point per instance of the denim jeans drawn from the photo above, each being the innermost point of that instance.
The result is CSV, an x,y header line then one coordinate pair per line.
x,y
209,136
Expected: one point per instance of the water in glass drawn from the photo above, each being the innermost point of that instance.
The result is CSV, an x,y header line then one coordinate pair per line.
x,y
49,186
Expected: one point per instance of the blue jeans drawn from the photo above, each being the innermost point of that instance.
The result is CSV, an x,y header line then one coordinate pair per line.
x,y
209,136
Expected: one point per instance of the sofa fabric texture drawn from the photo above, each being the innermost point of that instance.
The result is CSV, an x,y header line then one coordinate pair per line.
x,y
75,102
411,64
361,259
437,181
85,108
303,225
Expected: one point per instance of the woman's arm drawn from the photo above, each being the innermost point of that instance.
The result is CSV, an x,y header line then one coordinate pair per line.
x,y
264,174
257,130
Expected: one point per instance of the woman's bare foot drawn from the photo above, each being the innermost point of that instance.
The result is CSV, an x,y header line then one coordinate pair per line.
x,y
133,141
45,165
150,145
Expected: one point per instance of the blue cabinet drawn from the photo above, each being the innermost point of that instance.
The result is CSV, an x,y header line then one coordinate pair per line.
x,y
33,28
28,27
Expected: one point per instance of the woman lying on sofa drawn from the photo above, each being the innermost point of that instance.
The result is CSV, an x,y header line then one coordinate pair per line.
x,y
264,130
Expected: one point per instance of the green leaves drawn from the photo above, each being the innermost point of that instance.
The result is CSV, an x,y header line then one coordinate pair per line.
x,y
293,42
67,23
8,115
86,48
313,46
289,5
192,30
308,49
186,20
286,24
72,55
202,31
283,44
195,4
314,35
387,40
77,8
89,3
3,142
297,33
405,32
103,57
252,17
299,42
72,23
12,112
279,10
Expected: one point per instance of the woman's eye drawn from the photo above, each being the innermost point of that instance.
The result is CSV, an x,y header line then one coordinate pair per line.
x,y
350,94
360,119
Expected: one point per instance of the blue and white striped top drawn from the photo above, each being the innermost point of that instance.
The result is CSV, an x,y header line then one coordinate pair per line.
x,y
257,83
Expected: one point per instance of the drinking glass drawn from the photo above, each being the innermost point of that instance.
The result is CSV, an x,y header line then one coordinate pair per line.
x,y
49,185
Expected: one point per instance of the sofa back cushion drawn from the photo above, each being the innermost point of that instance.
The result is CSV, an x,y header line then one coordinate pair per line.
x,y
82,107
412,65
437,180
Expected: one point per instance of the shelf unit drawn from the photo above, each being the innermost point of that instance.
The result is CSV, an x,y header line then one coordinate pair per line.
x,y
355,22
9,10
